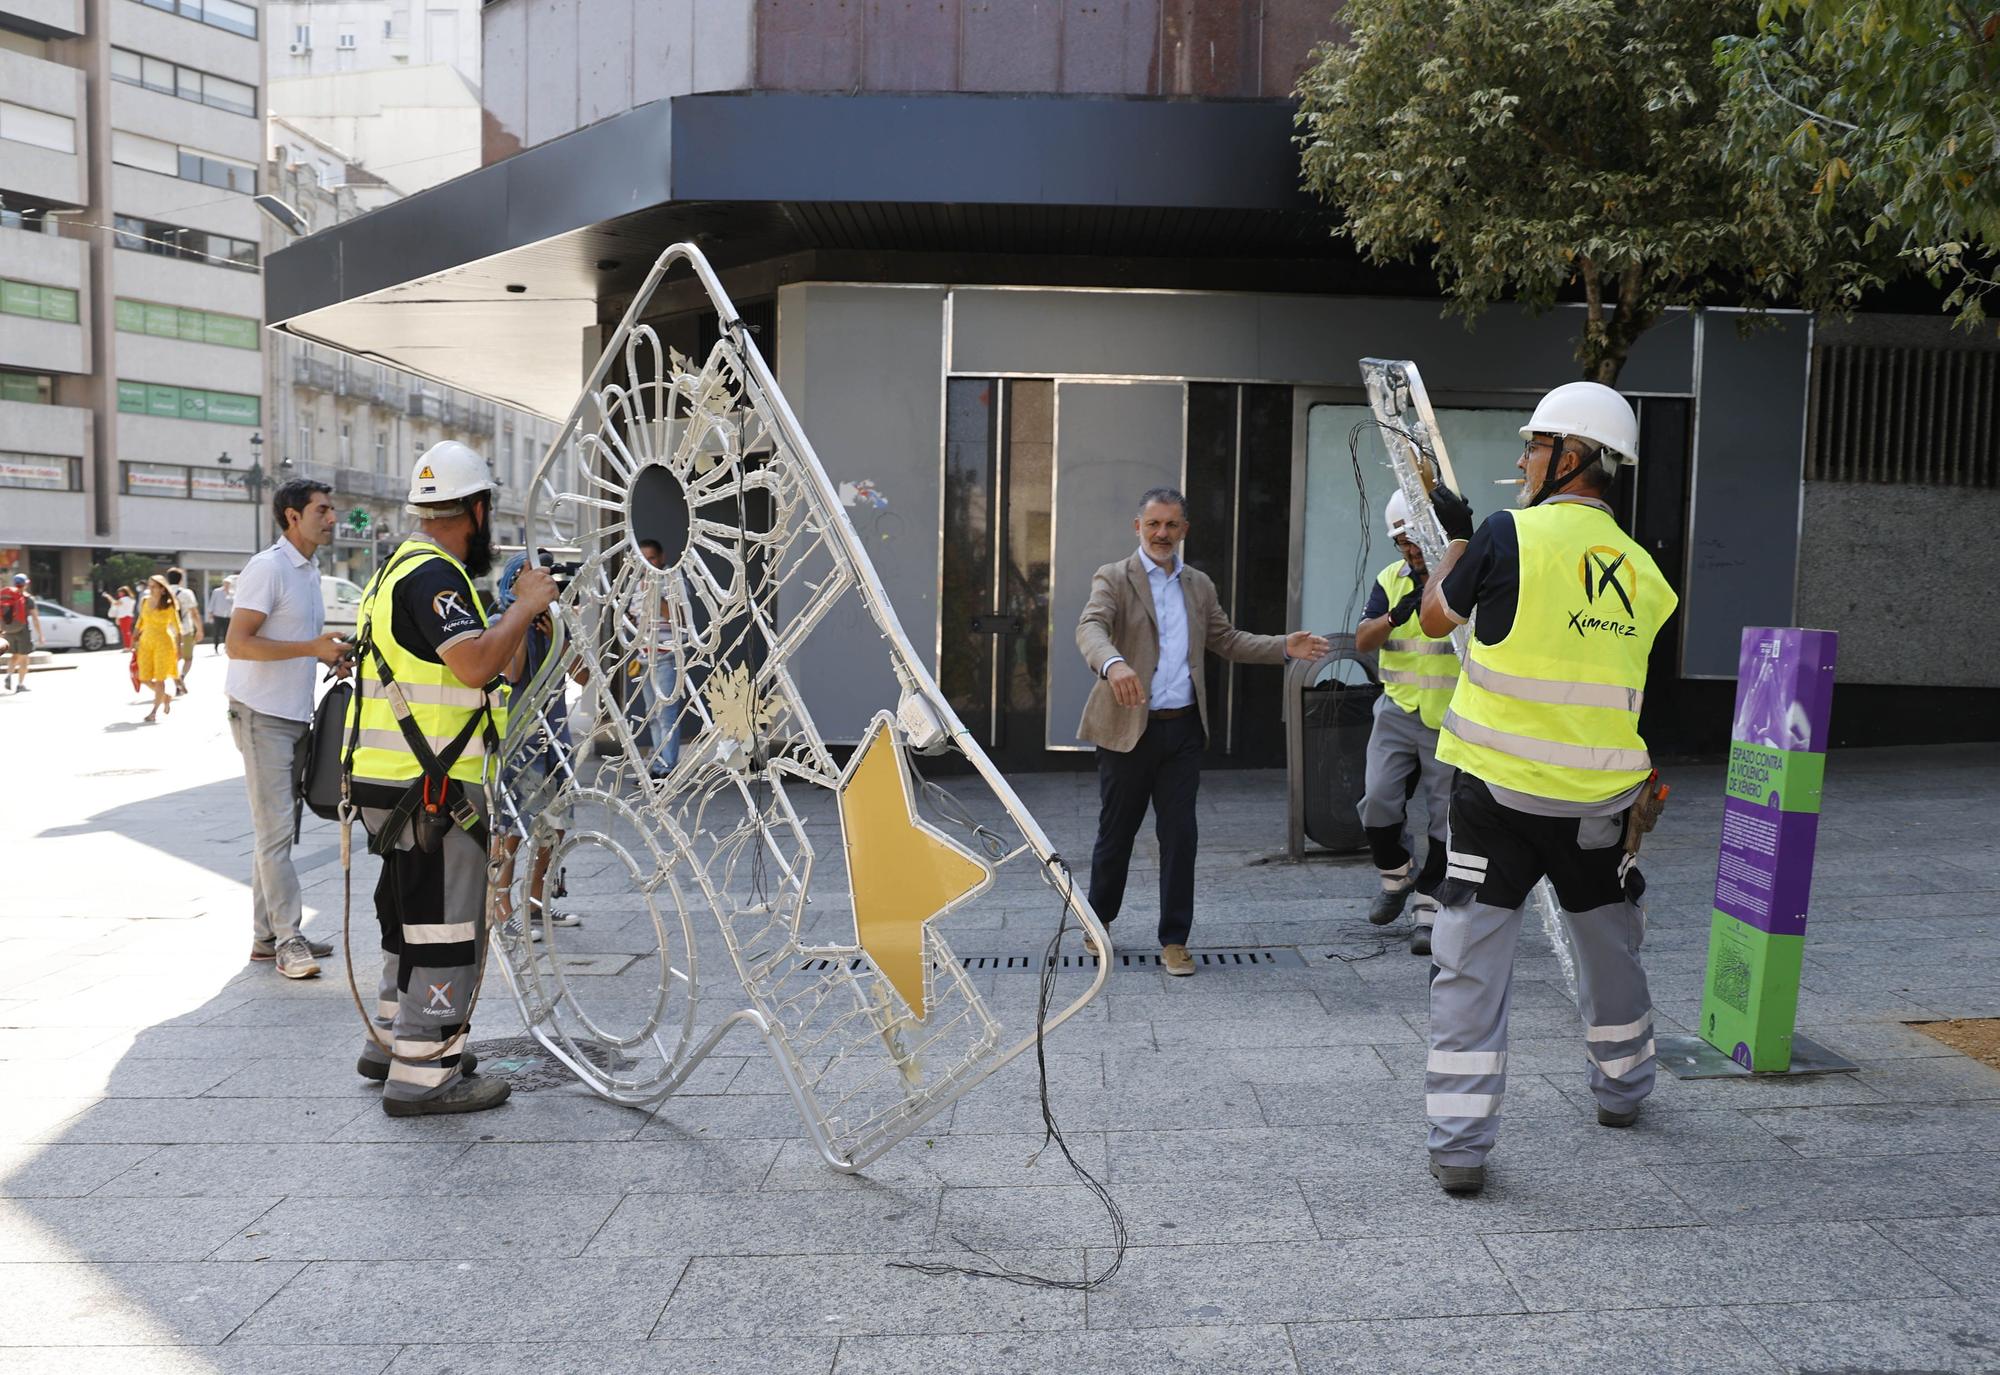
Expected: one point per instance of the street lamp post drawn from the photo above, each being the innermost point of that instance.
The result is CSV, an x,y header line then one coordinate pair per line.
x,y
253,480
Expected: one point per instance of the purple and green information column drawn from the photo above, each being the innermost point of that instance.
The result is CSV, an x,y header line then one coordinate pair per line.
x,y
1770,825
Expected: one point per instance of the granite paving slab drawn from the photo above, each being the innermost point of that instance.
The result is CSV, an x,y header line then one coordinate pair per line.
x,y
885,1218
1174,1351
1287,1282
1932,1336
1964,1251
1888,1129
197,1360
83,1304
63,1171
1180,1212
753,1296
774,1356
123,1229
1368,1199
541,1300
365,1171
485,1224
1691,1267
1712,1341
1830,1190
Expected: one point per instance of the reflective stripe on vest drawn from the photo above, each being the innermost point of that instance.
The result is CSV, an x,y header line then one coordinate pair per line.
x,y
438,703
1412,673
1553,709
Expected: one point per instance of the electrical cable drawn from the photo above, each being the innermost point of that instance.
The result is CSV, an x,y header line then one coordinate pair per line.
x,y
1051,1131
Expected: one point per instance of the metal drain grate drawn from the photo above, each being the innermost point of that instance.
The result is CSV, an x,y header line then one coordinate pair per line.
x,y
1246,959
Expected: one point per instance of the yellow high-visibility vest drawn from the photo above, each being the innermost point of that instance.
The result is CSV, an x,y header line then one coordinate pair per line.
x,y
438,702
1418,671
1553,709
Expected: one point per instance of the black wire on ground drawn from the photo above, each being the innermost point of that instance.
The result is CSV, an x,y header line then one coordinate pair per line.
x,y
998,1269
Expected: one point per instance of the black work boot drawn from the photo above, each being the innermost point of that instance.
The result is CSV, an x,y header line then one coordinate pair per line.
x,y
464,1095
1388,904
1423,913
1459,1179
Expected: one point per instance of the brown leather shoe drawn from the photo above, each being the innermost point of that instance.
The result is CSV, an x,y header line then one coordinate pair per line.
x,y
1090,944
1176,960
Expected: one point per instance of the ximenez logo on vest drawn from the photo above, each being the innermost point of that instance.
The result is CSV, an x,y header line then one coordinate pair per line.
x,y
1608,574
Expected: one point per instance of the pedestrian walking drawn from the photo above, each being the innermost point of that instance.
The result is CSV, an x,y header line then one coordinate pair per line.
x,y
21,626
659,662
1544,732
159,643
277,641
536,776
221,600
1146,632
124,606
189,634
427,729
1418,673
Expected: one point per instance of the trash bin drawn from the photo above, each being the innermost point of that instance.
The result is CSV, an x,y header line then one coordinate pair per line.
x,y
1329,711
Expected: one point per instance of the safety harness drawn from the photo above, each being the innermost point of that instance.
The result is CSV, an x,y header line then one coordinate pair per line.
x,y
430,805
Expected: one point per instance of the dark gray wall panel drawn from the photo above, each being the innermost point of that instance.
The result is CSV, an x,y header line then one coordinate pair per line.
x,y
1314,340
862,369
1113,441
1749,453
1862,572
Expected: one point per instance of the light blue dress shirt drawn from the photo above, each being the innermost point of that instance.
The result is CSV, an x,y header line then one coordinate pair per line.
x,y
1172,684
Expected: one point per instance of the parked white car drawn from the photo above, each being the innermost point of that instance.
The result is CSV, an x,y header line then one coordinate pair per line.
x,y
65,629
342,600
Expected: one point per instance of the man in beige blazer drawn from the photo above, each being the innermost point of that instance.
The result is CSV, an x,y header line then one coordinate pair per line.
x,y
1144,631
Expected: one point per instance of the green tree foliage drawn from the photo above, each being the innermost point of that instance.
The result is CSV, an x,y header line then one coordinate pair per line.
x,y
1536,146
128,570
1885,108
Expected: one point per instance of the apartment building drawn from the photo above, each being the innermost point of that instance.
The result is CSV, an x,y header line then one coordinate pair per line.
x,y
351,422
357,425
329,37
131,348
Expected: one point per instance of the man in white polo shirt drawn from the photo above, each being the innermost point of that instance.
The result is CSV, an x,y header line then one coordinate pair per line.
x,y
275,646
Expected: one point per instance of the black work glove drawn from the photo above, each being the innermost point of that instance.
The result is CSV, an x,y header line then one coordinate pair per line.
x,y
1406,608
1454,513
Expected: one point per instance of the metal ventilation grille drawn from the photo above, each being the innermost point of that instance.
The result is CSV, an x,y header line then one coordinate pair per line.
x,y
1920,416
1273,957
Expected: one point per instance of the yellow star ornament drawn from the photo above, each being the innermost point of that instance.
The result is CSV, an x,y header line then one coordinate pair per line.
x,y
901,870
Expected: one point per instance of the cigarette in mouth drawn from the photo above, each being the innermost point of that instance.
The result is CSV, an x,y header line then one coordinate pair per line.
x,y
1508,481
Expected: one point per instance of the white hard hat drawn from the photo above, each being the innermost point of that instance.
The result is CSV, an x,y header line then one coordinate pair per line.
x,y
1397,517
449,471
1588,410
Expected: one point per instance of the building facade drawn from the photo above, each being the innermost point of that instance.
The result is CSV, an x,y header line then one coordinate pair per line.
x,y
131,349
358,425
331,37
1014,265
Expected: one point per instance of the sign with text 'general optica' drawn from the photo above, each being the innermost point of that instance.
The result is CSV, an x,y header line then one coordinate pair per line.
x,y
1770,825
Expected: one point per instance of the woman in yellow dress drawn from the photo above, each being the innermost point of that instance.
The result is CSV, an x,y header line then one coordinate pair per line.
x,y
159,653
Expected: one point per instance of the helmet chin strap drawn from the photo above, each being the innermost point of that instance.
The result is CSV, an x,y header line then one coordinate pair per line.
x,y
1551,485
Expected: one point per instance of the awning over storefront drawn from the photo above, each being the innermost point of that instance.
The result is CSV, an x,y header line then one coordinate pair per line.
x,y
487,282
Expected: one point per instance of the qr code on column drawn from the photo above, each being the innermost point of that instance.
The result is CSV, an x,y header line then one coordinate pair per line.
x,y
1732,979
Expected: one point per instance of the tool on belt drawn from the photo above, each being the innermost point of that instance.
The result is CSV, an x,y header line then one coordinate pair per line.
x,y
1640,818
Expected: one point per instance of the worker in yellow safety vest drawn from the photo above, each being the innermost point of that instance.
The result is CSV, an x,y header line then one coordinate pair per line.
x,y
423,735
1544,732
1418,673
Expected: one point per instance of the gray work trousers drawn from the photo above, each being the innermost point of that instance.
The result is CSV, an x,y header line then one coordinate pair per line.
x,y
432,911
270,746
1496,855
1400,744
